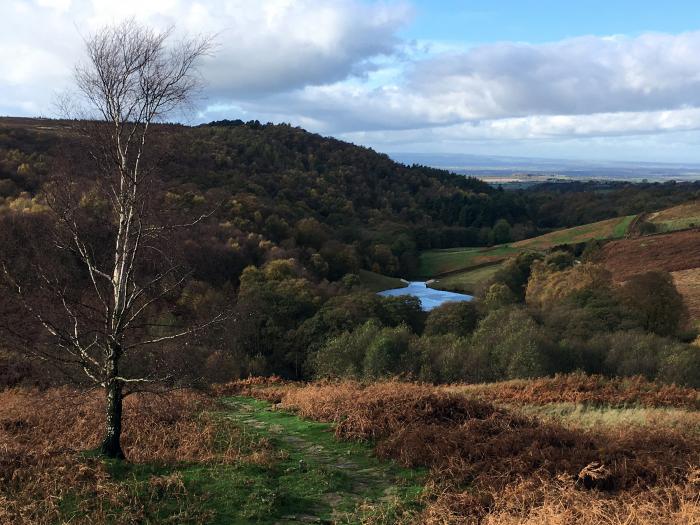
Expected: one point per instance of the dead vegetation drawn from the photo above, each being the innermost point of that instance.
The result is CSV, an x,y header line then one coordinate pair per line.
x,y
688,284
670,252
491,466
44,436
488,464
586,389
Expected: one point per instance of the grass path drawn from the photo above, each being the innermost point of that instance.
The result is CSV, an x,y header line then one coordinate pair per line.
x,y
287,470
323,480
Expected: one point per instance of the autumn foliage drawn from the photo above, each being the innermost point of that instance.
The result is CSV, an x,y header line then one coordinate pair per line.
x,y
489,465
44,436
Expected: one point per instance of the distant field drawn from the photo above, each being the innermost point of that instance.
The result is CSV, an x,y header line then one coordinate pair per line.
x,y
376,282
677,218
467,281
435,263
439,262
608,229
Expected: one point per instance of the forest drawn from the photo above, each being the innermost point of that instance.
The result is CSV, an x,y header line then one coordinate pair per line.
x,y
292,218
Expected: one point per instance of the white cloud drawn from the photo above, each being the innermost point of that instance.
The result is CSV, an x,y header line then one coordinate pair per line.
x,y
339,66
263,46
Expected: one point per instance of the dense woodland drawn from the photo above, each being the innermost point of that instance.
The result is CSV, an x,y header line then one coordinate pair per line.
x,y
290,219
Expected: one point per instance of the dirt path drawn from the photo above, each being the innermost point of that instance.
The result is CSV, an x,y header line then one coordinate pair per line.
x,y
358,478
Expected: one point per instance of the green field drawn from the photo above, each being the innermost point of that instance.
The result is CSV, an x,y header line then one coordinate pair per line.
x,y
468,281
439,262
376,282
680,217
608,229
464,269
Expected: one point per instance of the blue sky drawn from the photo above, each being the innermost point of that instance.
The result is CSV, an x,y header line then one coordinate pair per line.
x,y
614,80
542,21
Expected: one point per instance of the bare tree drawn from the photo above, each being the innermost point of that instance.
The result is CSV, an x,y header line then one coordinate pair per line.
x,y
109,229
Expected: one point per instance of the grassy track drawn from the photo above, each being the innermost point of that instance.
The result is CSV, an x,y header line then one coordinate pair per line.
x,y
321,477
289,471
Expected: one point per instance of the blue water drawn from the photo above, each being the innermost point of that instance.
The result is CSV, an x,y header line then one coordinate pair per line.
x,y
429,298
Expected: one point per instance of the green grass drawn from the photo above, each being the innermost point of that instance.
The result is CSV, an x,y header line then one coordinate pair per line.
x,y
677,224
438,262
376,282
467,281
290,471
463,261
321,475
608,229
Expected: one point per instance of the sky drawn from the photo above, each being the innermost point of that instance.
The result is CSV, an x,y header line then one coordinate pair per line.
x,y
591,80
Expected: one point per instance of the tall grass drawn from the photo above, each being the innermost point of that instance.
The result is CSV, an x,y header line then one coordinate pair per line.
x,y
44,468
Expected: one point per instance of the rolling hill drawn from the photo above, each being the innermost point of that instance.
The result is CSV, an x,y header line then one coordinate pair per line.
x,y
464,269
677,253
675,248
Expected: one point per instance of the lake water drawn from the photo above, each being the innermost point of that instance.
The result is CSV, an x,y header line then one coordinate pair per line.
x,y
429,298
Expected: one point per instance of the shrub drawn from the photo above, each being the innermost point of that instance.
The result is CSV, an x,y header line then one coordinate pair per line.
x,y
385,356
509,344
344,354
515,273
655,302
458,318
439,359
633,353
498,296
547,286
680,364
559,260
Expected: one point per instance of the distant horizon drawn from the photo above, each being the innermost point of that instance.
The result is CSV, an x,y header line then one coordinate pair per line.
x,y
464,161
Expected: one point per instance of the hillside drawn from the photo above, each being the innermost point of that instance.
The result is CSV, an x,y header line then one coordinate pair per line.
x,y
673,248
464,269
676,218
677,253
293,190
333,206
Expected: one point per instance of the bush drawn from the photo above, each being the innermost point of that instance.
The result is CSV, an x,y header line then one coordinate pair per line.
x,y
548,286
632,353
515,273
344,354
498,296
369,351
439,359
458,318
385,356
508,344
654,300
680,364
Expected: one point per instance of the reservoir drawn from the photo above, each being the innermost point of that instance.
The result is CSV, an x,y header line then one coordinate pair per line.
x,y
429,298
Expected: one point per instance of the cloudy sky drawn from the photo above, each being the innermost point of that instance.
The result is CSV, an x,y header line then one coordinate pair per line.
x,y
598,80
